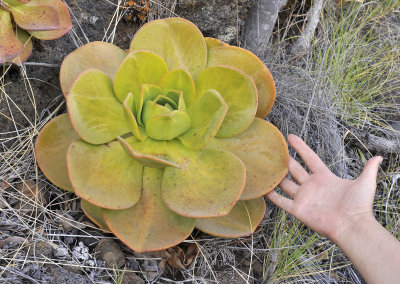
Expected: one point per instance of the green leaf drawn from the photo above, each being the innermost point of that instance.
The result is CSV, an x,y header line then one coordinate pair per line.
x,y
151,109
181,101
242,220
10,4
95,214
164,99
206,116
151,153
252,66
208,184
179,80
149,225
129,105
168,126
25,39
98,55
238,91
139,67
10,46
96,114
51,150
36,17
177,40
174,95
147,93
65,20
264,152
213,42
104,175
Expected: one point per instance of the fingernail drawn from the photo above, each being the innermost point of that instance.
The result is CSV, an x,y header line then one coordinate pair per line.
x,y
380,159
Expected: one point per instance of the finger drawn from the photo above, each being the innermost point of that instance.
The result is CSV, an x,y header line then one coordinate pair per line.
x,y
297,171
370,170
283,202
289,187
313,162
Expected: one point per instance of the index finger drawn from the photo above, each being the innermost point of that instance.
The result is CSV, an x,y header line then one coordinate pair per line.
x,y
313,162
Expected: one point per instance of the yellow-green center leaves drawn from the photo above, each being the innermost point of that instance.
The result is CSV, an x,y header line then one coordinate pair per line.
x,y
206,115
238,91
168,126
181,80
139,67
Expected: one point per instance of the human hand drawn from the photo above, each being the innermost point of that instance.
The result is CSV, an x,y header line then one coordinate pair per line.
x,y
324,202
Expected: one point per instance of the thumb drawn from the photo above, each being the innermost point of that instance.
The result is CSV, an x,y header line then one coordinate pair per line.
x,y
371,168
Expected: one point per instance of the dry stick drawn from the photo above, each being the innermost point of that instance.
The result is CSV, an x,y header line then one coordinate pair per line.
x,y
304,41
375,143
260,24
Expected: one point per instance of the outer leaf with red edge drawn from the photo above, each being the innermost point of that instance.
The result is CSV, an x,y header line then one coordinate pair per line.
x,y
208,184
149,225
10,46
43,19
64,17
250,64
104,175
242,220
36,17
264,152
94,55
51,150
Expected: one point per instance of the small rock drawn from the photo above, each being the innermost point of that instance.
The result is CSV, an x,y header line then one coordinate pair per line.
x,y
73,267
130,277
69,240
133,264
109,251
150,268
61,276
258,269
67,222
13,241
42,249
60,252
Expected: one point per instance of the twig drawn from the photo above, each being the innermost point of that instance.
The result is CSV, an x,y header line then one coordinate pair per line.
x,y
304,41
375,143
260,24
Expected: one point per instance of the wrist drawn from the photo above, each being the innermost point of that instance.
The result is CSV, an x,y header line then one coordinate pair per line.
x,y
352,227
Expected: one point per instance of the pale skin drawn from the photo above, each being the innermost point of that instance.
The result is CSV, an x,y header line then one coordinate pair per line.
x,y
341,210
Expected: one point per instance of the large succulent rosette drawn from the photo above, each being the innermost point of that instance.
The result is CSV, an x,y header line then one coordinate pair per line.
x,y
164,139
22,19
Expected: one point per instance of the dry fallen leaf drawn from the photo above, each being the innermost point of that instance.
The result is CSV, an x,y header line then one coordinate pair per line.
x,y
178,257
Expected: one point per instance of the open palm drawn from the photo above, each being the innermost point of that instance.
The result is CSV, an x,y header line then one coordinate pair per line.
x,y
324,202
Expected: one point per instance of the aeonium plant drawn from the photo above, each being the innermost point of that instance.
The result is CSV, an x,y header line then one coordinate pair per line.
x,y
20,20
167,137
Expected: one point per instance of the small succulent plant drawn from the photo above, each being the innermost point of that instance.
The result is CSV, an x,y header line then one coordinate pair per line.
x,y
164,138
22,19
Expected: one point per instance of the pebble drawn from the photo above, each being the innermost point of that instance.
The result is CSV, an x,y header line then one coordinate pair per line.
x,y
109,251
